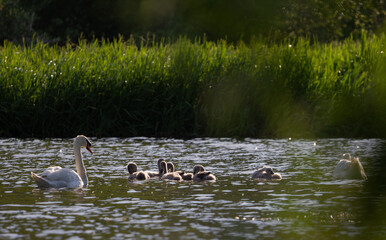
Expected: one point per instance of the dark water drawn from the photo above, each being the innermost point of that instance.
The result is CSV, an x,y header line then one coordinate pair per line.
x,y
308,203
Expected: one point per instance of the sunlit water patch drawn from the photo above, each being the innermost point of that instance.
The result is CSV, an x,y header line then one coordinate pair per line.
x,y
308,201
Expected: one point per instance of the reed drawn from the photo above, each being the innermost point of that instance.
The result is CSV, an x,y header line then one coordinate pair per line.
x,y
194,88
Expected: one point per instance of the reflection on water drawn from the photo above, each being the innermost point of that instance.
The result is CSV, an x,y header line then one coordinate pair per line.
x,y
307,202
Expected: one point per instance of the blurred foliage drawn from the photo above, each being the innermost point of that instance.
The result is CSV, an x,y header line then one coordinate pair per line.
x,y
60,20
15,22
331,19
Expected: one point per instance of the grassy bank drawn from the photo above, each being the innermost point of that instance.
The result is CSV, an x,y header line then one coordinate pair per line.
x,y
196,88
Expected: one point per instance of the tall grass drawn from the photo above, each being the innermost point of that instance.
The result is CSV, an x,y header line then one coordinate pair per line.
x,y
194,88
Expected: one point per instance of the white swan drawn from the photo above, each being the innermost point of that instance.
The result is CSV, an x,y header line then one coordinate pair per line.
x,y
349,168
62,177
266,173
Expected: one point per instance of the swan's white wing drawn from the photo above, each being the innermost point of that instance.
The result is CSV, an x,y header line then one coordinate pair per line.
x,y
59,177
41,182
342,168
361,171
50,170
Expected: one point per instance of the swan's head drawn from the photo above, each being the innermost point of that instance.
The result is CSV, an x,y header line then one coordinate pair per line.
x,y
131,167
198,168
83,142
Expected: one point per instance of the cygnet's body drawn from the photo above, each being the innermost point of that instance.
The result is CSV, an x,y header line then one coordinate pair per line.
x,y
199,174
184,175
349,168
266,173
166,175
135,174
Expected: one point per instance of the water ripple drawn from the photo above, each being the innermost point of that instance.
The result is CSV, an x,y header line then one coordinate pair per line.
x,y
306,202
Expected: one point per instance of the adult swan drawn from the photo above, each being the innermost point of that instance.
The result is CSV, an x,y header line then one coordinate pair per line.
x,y
349,168
58,177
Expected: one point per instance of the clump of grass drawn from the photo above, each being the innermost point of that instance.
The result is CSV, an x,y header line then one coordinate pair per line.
x,y
296,89
193,88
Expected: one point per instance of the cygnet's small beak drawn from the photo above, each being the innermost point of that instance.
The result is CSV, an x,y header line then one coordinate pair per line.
x,y
89,149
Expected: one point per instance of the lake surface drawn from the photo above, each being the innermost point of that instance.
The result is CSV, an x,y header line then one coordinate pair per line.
x,y
307,203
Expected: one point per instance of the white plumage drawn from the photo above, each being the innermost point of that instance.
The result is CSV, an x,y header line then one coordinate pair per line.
x,y
349,168
58,177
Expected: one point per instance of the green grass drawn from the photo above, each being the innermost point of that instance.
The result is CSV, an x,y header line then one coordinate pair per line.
x,y
194,88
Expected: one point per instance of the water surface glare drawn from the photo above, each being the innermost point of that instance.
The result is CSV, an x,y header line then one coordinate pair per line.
x,y
307,202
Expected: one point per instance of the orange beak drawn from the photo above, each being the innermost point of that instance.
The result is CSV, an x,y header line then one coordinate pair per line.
x,y
89,149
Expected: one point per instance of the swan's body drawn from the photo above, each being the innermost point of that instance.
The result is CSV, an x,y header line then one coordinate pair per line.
x,y
155,174
266,173
349,168
199,174
58,177
166,175
135,174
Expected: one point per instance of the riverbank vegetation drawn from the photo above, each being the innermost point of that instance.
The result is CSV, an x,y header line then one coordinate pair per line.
x,y
198,87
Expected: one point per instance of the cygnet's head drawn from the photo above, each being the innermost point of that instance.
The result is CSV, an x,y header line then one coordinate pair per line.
x,y
198,168
170,166
268,170
159,162
131,167
163,167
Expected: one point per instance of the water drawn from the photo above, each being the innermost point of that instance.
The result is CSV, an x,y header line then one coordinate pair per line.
x,y
307,202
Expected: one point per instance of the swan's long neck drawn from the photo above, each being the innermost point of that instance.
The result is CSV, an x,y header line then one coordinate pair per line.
x,y
80,169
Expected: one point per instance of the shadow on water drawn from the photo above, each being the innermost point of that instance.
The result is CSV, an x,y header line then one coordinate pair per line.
x,y
374,201
308,201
